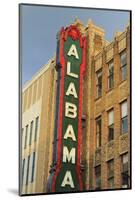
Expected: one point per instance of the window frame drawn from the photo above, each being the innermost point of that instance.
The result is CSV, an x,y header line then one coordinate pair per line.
x,y
33,166
124,172
36,128
123,118
98,133
110,173
98,85
26,136
31,132
110,75
110,125
98,177
27,172
123,66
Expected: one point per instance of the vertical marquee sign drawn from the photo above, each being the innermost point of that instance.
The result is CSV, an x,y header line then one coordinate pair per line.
x,y
65,174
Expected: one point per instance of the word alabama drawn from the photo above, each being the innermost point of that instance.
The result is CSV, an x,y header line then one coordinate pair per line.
x,y
70,112
66,172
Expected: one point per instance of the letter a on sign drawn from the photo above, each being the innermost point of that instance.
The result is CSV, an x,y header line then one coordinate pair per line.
x,y
68,180
71,90
73,51
70,133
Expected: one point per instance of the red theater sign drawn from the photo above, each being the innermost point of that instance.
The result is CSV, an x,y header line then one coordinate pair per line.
x,y
71,52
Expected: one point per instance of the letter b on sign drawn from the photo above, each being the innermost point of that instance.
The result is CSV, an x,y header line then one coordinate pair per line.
x,y
70,110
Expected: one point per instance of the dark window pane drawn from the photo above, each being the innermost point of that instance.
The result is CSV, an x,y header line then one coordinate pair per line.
x,y
110,76
33,167
26,136
125,167
98,125
27,177
99,82
111,132
98,183
124,125
125,179
111,82
123,63
31,130
36,127
98,177
110,70
23,165
111,183
124,171
99,89
111,174
123,58
124,72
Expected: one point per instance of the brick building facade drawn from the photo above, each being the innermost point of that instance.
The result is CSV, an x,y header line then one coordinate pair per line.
x,y
106,95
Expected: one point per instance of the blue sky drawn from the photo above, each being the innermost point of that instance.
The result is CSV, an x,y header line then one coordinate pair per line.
x,y
40,24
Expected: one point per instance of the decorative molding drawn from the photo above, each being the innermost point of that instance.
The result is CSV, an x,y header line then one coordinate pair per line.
x,y
110,147
123,143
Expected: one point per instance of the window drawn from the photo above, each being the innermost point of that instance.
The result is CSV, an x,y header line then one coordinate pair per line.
x,y
26,136
36,127
111,174
124,171
23,165
123,64
98,132
99,83
124,118
31,130
33,167
98,177
27,174
110,125
110,75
